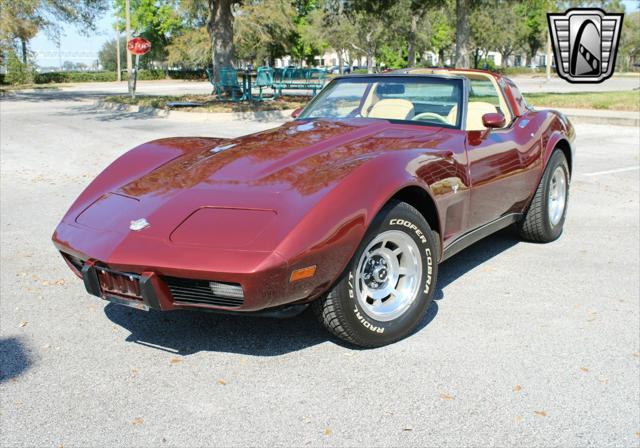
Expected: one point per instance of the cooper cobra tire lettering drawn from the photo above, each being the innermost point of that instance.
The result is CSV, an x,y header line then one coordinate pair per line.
x,y
368,325
427,284
410,226
423,239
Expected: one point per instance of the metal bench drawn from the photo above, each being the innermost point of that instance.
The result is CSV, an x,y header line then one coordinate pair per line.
x,y
227,88
299,79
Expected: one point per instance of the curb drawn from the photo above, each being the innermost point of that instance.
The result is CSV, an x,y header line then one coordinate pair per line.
x,y
595,116
264,116
591,119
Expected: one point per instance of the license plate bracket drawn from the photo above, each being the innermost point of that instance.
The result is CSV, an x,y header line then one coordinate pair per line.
x,y
124,302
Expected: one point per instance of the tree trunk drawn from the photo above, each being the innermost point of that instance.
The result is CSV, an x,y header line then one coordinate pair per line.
x,y
370,52
23,43
462,34
413,31
505,57
220,27
340,62
476,58
441,57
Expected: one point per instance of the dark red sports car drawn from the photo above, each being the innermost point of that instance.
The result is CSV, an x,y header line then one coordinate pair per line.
x,y
350,207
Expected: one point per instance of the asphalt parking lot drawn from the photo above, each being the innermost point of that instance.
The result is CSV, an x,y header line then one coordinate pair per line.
x,y
526,344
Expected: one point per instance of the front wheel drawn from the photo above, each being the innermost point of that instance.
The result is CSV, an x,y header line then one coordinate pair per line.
x,y
544,220
388,284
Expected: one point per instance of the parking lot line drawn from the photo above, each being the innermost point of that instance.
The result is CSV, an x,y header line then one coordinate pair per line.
x,y
619,170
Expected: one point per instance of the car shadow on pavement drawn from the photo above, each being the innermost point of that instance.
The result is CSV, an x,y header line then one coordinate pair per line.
x,y
457,266
14,359
188,332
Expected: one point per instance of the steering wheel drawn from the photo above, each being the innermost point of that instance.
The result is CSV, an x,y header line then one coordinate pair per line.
x,y
430,116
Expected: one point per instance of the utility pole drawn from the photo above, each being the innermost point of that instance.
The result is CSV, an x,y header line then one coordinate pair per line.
x,y
119,75
127,6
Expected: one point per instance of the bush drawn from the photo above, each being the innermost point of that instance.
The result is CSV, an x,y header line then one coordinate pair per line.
x,y
520,70
62,77
148,75
17,71
106,76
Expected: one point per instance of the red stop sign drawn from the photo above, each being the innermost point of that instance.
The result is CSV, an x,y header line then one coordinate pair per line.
x,y
139,46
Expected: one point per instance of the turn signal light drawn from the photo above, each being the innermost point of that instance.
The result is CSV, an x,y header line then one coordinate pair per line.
x,y
301,274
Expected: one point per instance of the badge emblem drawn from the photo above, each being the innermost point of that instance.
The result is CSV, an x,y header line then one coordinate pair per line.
x,y
139,224
585,42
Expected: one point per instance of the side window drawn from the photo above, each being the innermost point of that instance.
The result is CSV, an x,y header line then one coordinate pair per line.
x,y
484,91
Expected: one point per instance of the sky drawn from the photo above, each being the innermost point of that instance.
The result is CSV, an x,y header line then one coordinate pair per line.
x,y
77,47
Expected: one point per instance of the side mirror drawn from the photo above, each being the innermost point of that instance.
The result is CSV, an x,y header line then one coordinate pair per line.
x,y
296,113
493,120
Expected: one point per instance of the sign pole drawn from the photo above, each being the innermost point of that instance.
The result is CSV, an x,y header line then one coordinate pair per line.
x,y
118,68
127,13
137,46
135,77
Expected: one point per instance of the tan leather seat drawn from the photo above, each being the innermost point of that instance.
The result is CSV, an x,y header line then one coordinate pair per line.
x,y
392,109
452,116
475,111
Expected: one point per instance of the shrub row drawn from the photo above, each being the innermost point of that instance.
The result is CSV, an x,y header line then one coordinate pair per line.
x,y
105,76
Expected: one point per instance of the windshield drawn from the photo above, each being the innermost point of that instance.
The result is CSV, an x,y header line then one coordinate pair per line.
x,y
423,99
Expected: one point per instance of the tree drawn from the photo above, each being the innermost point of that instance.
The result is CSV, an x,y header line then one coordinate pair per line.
x,y
264,30
21,20
533,33
191,48
369,35
220,27
462,33
303,46
630,41
483,36
508,29
442,34
108,55
156,21
330,27
419,31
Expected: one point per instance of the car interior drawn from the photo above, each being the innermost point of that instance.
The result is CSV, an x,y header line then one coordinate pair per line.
x,y
391,101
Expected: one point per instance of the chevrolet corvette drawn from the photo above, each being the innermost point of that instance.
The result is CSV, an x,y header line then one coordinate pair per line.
x,y
348,208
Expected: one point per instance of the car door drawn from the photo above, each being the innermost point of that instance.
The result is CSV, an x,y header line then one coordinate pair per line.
x,y
501,161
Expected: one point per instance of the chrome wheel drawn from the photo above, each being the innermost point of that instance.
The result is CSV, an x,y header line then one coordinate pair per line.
x,y
388,275
557,195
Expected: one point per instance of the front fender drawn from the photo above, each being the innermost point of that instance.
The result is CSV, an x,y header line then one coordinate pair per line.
x,y
135,163
329,235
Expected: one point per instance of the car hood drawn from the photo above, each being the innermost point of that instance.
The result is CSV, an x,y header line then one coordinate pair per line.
x,y
251,183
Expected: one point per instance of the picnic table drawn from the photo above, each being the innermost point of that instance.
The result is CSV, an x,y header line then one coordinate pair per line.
x,y
230,88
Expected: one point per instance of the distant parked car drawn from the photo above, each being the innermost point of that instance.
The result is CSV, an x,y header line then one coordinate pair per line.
x,y
336,69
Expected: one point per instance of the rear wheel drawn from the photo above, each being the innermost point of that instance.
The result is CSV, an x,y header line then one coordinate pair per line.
x,y
545,218
389,282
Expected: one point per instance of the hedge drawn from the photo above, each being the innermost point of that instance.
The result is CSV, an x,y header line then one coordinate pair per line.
x,y
105,76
